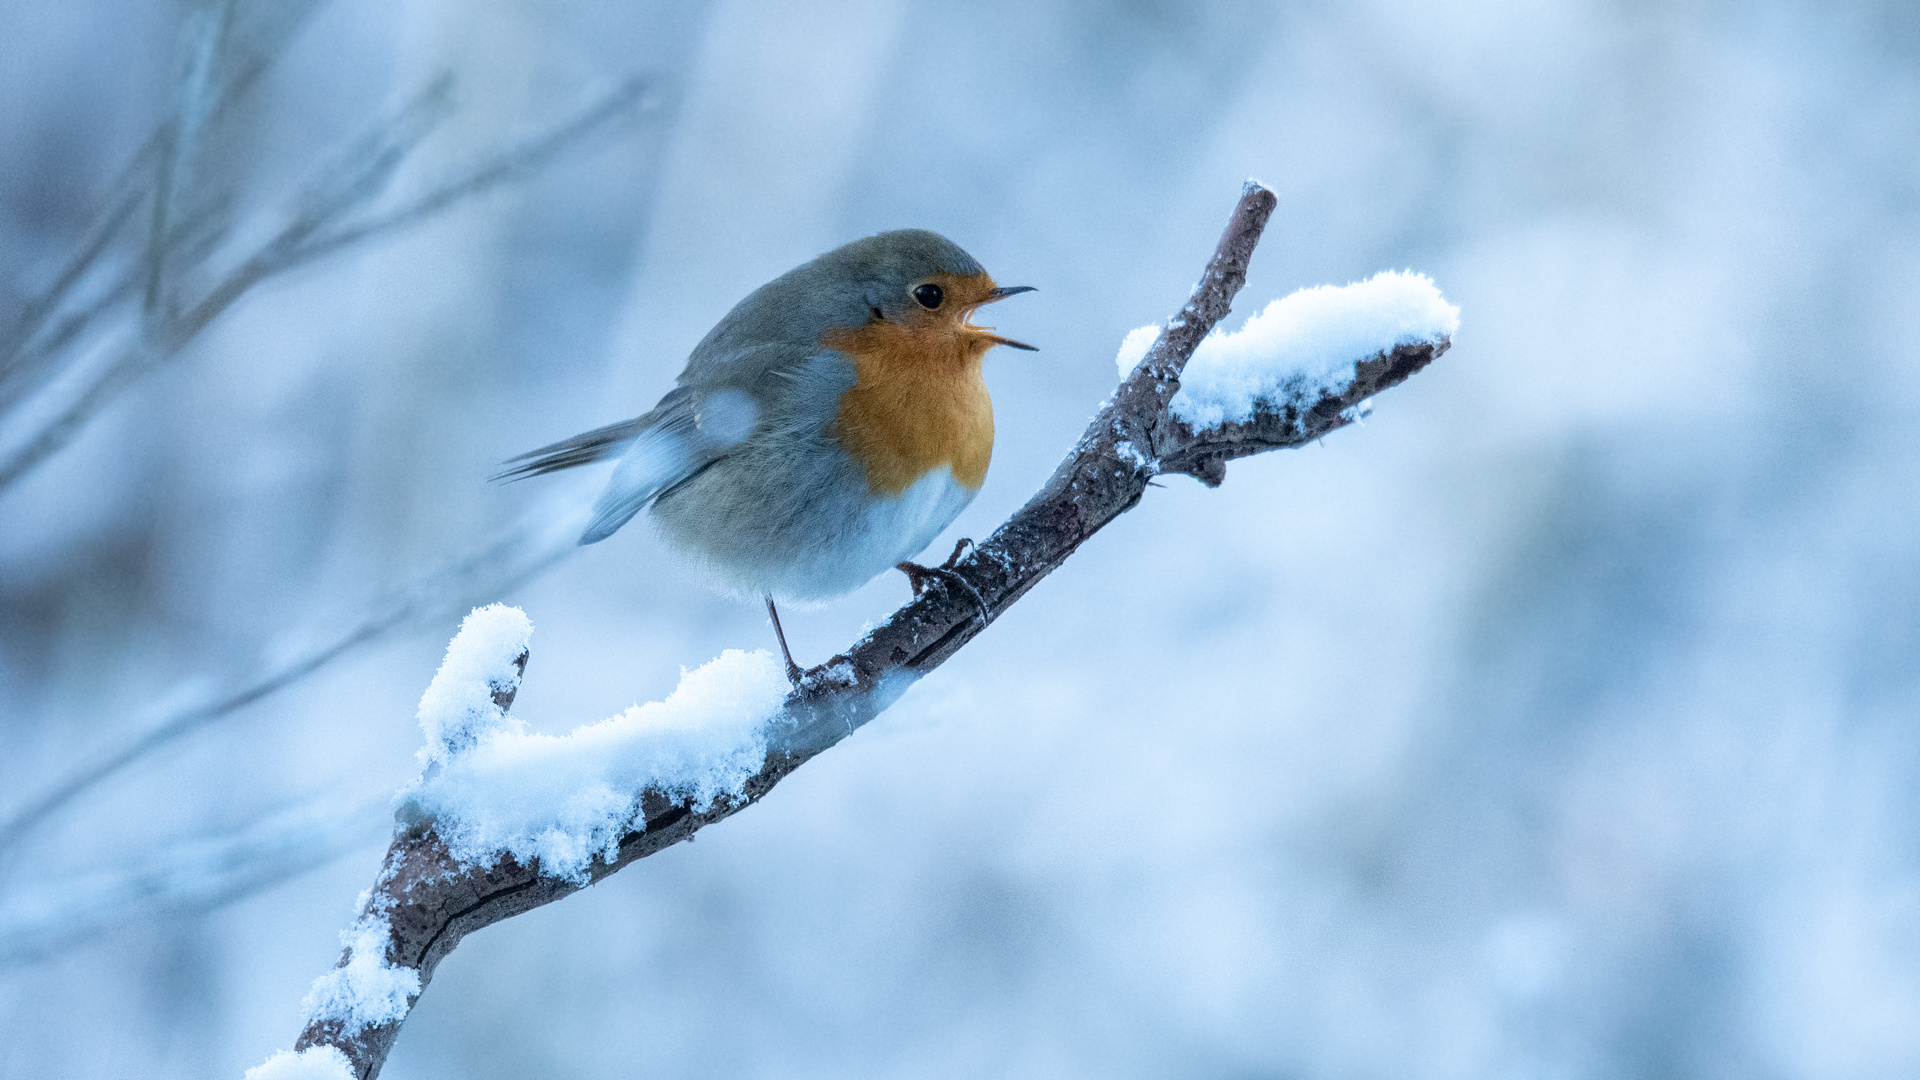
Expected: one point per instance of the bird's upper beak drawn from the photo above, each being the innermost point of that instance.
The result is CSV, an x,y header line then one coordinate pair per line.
x,y
995,297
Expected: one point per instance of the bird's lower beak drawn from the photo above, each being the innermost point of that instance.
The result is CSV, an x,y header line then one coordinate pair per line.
x,y
996,296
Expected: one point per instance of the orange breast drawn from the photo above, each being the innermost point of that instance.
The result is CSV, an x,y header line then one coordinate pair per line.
x,y
918,402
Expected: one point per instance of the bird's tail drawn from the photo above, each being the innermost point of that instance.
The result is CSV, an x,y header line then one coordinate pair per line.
x,y
668,446
579,450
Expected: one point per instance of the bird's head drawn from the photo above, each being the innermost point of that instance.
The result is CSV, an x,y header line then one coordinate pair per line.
x,y
922,284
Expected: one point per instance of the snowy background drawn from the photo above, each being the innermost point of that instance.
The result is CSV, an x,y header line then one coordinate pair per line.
x,y
1559,722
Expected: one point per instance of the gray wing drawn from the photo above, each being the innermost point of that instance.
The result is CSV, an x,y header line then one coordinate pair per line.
x,y
717,406
690,431
721,399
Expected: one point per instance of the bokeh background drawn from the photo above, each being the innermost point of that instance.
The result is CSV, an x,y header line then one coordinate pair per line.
x,y
1558,722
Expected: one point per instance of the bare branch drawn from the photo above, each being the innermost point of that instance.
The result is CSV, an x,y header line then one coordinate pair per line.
x,y
186,877
428,899
193,240
355,177
544,535
92,244
514,162
271,27
207,29
126,369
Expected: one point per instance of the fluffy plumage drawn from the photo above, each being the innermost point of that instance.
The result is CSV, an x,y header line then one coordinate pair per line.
x,y
829,427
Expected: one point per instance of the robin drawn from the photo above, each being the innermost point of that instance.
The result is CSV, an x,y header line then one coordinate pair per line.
x,y
824,431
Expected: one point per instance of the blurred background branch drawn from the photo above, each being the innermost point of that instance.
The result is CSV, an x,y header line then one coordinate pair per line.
x,y
186,878
545,534
51,387
316,226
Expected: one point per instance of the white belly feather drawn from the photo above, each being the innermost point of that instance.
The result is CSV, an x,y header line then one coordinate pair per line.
x,y
880,534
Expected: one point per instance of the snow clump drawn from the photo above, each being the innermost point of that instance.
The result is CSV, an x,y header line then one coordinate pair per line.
x,y
564,799
366,991
1301,345
313,1063
458,709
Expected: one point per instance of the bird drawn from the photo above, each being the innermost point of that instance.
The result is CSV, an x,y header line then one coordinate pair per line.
x,y
824,431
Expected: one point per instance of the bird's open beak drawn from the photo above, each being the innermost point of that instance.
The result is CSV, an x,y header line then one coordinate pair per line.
x,y
996,296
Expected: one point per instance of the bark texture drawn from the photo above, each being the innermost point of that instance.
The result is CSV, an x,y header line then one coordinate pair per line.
x,y
432,901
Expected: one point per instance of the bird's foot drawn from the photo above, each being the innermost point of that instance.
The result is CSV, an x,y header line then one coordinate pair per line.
x,y
959,549
922,577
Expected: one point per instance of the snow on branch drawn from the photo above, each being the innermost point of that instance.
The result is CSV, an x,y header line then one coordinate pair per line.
x,y
505,821
316,1063
1300,346
494,789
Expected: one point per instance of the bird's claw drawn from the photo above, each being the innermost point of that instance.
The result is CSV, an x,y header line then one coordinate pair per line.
x,y
960,548
920,577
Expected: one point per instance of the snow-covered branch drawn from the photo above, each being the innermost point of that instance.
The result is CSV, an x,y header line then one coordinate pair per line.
x,y
502,821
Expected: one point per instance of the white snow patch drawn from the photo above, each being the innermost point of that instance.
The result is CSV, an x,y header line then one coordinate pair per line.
x,y
458,711
564,799
1131,454
1133,348
1303,343
313,1063
366,991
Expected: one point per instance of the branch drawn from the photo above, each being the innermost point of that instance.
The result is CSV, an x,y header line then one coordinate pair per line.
x,y
542,536
427,898
512,163
315,229
209,27
192,241
273,28
185,877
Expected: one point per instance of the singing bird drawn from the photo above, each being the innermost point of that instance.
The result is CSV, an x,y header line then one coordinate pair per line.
x,y
823,432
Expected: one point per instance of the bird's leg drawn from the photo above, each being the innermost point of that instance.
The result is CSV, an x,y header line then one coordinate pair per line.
x,y
794,674
921,576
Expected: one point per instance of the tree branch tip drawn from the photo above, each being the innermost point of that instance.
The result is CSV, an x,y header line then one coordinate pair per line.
x,y
1210,471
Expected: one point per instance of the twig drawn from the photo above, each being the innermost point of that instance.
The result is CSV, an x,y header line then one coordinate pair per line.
x,y
513,162
188,876
355,177
194,239
237,72
208,26
430,900
542,536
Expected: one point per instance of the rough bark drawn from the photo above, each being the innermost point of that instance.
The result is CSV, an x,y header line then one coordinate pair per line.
x,y
432,900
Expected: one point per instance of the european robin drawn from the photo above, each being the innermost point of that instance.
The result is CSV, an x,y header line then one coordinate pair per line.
x,y
824,431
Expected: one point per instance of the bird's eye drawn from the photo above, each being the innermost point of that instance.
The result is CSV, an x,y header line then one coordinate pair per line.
x,y
929,295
